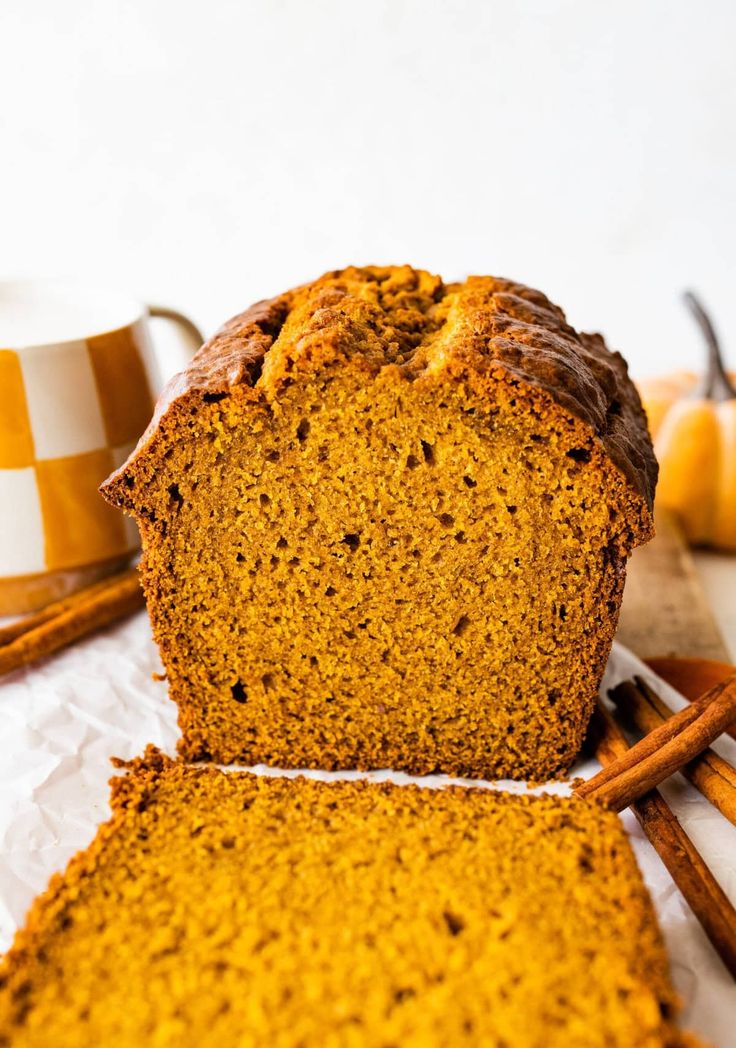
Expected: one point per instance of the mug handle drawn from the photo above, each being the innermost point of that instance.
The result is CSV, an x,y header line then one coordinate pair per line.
x,y
193,338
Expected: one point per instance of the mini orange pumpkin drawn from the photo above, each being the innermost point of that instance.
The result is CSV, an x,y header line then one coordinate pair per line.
x,y
693,424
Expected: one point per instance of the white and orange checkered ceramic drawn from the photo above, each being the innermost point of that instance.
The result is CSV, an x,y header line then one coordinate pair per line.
x,y
77,382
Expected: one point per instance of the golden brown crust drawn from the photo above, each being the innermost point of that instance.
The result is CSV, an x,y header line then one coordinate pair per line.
x,y
410,318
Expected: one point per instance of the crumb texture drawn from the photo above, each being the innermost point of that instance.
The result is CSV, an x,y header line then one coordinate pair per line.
x,y
221,908
386,522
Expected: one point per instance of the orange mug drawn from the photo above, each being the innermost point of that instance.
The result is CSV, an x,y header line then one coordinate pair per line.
x,y
78,378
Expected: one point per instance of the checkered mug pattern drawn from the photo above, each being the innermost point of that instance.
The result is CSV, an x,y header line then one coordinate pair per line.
x,y
78,375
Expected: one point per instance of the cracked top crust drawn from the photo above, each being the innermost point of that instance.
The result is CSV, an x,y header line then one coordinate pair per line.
x,y
396,315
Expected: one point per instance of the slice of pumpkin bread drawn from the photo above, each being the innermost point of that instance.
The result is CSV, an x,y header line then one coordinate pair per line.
x,y
386,523
224,908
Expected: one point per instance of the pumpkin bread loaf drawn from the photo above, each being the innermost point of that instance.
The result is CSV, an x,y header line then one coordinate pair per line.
x,y
224,908
386,522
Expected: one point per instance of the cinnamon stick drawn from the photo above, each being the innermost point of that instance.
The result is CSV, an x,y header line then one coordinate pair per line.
x,y
709,773
30,622
697,884
665,750
93,608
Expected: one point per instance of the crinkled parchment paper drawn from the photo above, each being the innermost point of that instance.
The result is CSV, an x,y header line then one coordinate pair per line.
x,y
62,720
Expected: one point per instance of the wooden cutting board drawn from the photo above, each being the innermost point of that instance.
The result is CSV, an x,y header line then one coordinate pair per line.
x,y
665,610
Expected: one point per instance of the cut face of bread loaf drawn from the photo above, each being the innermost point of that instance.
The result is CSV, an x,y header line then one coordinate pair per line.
x,y
228,909
386,523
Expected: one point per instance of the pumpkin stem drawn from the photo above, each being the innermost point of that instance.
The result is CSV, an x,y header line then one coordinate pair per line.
x,y
717,385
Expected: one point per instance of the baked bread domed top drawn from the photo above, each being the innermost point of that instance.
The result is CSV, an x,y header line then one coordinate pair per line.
x,y
410,317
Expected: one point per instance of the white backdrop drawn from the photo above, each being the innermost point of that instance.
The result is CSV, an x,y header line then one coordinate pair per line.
x,y
209,154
